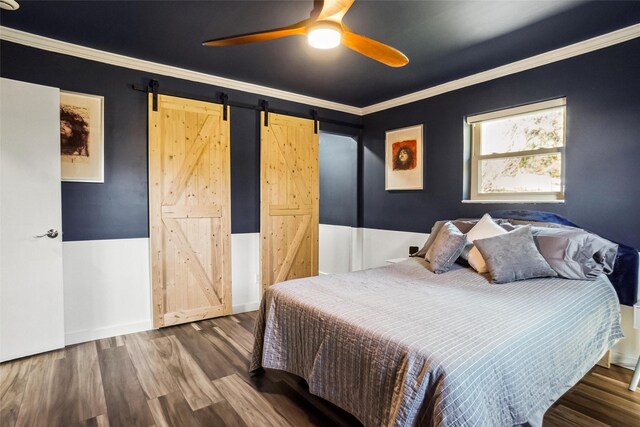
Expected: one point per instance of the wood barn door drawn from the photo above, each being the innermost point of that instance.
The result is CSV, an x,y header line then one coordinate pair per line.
x,y
289,199
189,208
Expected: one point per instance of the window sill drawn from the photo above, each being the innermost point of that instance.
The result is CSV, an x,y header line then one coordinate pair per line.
x,y
522,202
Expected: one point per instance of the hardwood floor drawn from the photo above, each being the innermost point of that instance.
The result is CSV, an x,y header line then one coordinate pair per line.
x,y
196,375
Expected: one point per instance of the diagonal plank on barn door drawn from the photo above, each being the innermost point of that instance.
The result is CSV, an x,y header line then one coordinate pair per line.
x,y
195,267
190,162
288,153
293,249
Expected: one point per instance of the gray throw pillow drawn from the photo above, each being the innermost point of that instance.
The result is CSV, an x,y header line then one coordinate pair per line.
x,y
432,237
446,248
513,256
463,224
575,253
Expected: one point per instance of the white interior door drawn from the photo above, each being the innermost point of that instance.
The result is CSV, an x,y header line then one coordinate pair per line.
x,y
31,294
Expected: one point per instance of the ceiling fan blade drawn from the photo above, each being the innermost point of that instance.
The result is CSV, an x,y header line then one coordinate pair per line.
x,y
334,10
374,49
297,29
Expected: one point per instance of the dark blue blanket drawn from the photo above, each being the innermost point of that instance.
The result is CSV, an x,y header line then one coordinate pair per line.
x,y
625,271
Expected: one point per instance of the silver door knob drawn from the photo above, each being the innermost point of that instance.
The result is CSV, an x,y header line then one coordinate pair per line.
x,y
52,234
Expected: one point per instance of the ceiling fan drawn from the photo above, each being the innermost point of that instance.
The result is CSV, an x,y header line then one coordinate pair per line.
x,y
324,30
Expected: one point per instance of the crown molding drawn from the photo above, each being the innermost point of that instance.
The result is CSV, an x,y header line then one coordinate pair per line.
x,y
57,46
576,49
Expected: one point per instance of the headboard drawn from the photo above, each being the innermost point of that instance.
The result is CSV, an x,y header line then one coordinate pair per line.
x,y
624,277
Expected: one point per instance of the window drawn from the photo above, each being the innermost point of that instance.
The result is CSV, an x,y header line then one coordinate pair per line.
x,y
517,154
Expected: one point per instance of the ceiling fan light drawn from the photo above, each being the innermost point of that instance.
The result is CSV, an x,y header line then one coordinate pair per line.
x,y
324,37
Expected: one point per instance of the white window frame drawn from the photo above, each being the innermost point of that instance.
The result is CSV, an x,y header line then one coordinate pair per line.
x,y
475,122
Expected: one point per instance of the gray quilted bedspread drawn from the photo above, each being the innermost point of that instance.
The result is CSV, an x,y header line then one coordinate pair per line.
x,y
401,346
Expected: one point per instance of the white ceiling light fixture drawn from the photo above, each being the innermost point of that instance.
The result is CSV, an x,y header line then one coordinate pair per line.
x,y
9,4
326,35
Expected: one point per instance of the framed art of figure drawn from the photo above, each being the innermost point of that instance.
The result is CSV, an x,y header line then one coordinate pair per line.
x,y
82,137
403,159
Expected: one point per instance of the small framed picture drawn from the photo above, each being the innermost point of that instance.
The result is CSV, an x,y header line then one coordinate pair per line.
x,y
403,159
82,137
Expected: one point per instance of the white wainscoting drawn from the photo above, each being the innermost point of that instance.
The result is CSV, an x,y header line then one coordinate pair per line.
x,y
245,272
626,352
381,245
107,288
335,249
344,249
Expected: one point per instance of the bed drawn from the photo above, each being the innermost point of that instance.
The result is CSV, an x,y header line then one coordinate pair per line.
x,y
402,346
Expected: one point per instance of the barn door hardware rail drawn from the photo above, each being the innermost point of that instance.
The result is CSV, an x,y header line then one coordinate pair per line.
x,y
314,116
224,99
153,86
265,109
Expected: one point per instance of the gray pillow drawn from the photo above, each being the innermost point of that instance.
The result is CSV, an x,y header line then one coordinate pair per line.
x,y
575,253
513,256
446,248
432,237
463,224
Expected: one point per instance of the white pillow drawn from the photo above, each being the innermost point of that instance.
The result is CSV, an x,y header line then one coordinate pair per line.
x,y
483,229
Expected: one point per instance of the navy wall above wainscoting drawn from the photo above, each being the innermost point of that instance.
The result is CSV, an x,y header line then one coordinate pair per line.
x,y
338,180
602,152
118,208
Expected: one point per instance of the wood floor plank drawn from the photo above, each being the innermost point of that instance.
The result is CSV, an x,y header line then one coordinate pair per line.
x,y
598,410
291,405
576,418
192,381
233,342
91,399
75,392
628,411
99,421
615,372
103,421
126,401
612,386
211,361
254,409
227,354
219,414
338,416
105,343
13,382
36,402
150,369
172,410
240,335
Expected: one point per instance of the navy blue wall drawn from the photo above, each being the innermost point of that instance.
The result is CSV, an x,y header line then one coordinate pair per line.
x,y
338,180
602,152
119,208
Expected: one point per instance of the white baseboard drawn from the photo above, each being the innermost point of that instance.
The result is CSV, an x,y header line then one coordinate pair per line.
x,y
624,360
243,308
76,337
